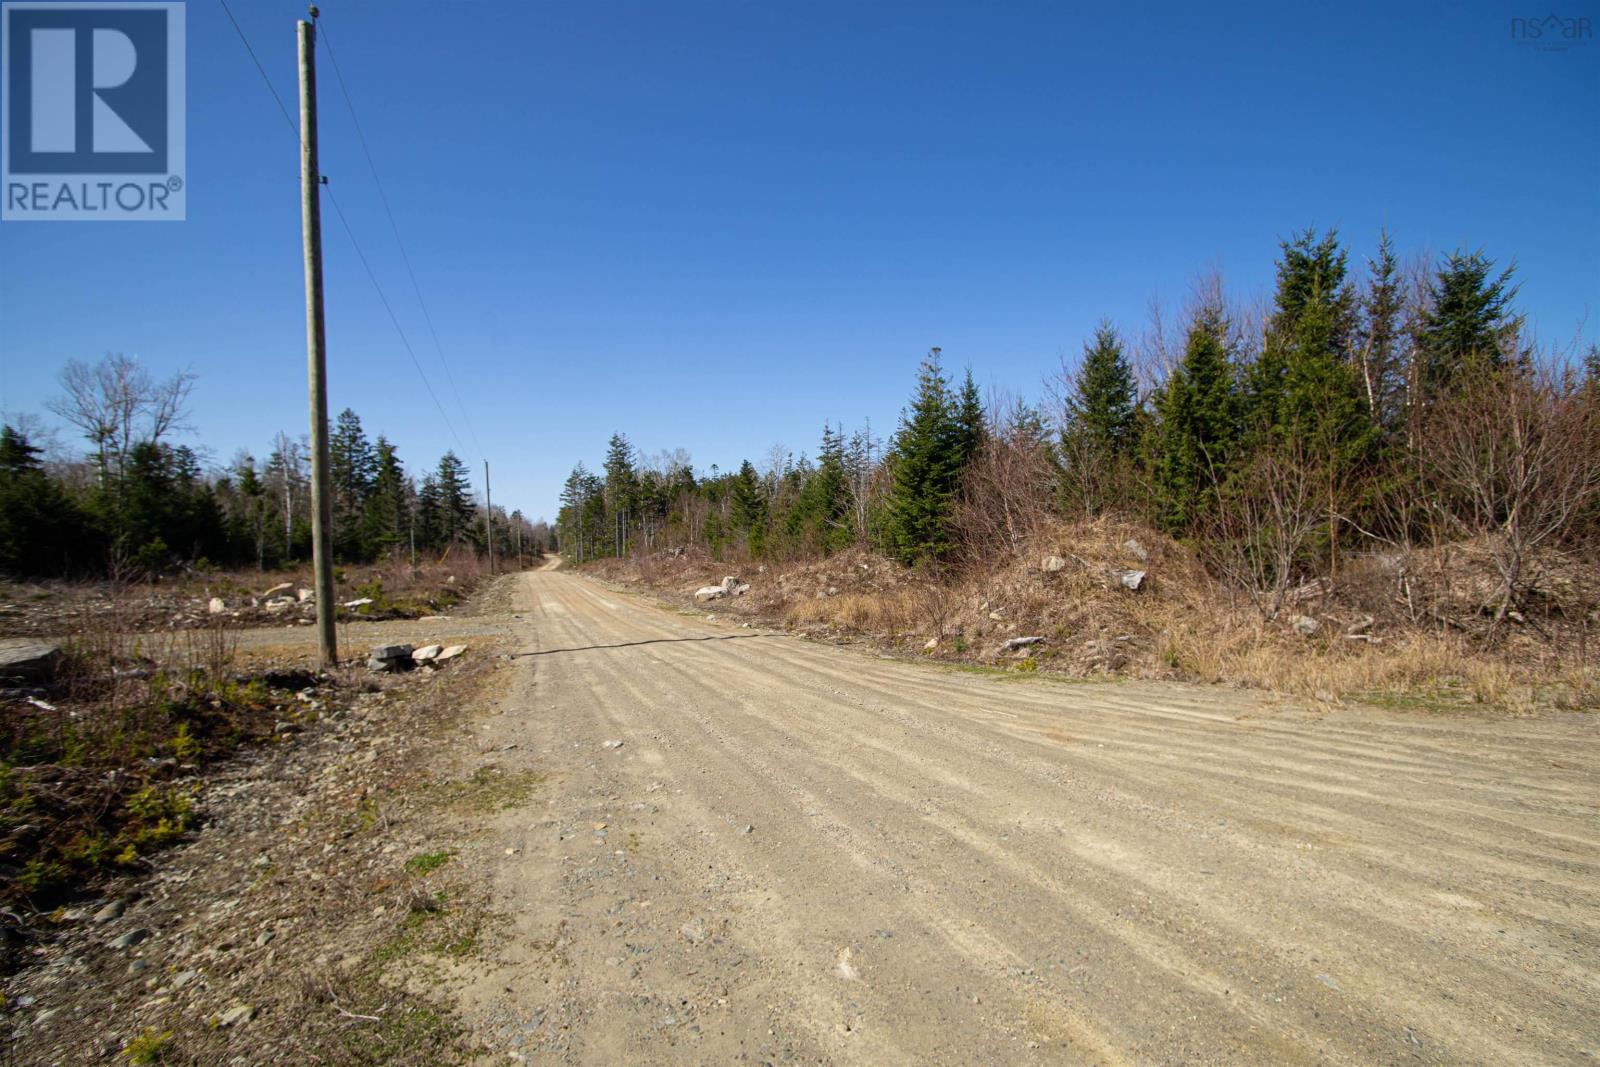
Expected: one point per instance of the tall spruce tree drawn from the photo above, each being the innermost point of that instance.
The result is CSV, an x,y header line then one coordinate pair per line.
x,y
1198,412
928,453
1096,435
385,517
352,466
455,498
1381,360
747,508
1469,323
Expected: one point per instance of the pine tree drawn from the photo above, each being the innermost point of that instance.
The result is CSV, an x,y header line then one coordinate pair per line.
x,y
1096,436
747,508
385,517
622,491
42,531
1381,364
352,466
1198,412
969,422
927,461
455,499
1311,282
1469,323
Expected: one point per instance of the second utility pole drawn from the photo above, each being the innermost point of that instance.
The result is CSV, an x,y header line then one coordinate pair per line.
x,y
488,521
316,348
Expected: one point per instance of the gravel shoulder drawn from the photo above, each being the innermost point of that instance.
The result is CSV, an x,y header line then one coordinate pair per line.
x,y
799,852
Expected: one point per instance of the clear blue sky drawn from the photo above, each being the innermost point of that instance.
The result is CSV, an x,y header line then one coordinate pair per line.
x,y
715,225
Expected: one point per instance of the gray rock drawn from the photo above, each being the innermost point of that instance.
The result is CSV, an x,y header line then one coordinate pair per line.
x,y
426,653
216,605
710,592
26,659
236,1015
1131,579
450,652
1304,625
611,744
1136,550
1021,642
110,912
279,604
303,595
130,939
387,652
1051,564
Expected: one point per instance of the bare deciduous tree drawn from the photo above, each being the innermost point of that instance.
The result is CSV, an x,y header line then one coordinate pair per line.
x,y
1259,536
118,405
1515,452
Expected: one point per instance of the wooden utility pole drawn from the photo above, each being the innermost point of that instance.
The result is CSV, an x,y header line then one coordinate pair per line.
x,y
316,347
488,518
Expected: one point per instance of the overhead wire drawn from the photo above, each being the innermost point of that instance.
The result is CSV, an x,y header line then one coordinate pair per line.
x,y
350,232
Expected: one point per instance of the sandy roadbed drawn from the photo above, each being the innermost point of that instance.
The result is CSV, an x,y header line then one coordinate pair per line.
x,y
802,853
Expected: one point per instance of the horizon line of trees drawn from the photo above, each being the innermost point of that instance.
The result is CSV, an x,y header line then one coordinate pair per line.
x,y
139,501
1402,407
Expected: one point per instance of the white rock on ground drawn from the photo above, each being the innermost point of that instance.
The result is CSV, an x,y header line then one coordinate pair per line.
x,y
217,606
426,653
449,652
1051,564
1021,642
1131,579
710,592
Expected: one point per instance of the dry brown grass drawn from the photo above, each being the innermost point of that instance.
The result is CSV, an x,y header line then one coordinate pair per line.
x,y
1182,623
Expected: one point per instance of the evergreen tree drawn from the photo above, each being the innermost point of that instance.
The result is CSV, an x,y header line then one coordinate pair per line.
x,y
969,427
352,466
430,514
385,517
42,531
1198,412
1311,285
1469,323
621,491
1381,362
456,511
747,507
1101,405
1096,435
927,463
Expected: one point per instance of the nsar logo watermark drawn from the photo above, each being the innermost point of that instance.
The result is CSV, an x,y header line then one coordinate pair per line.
x,y
1552,33
93,111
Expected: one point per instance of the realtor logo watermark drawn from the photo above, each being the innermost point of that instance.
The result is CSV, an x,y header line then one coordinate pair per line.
x,y
1552,33
93,111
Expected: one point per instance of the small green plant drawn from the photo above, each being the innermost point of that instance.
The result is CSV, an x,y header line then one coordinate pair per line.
x,y
1028,665
184,745
149,1047
428,862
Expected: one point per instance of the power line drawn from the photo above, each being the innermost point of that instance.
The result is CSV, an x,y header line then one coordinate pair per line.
x,y
334,200
398,240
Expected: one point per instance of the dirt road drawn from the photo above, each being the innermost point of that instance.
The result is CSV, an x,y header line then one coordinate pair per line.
x,y
801,853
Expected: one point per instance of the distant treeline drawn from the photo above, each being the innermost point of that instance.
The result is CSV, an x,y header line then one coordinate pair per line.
x,y
1405,407
137,502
